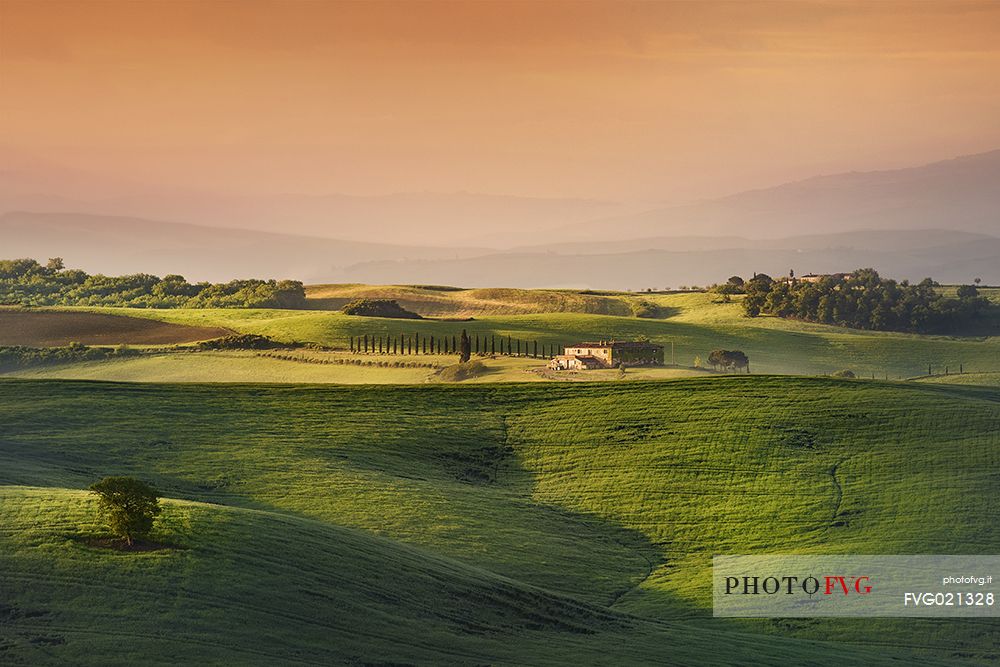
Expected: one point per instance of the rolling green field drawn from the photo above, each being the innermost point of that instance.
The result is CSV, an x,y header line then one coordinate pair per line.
x,y
692,322
494,523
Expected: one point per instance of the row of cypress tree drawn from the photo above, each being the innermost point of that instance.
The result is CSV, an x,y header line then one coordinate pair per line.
x,y
410,344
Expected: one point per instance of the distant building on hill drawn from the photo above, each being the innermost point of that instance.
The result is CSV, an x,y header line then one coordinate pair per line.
x,y
807,278
608,354
813,277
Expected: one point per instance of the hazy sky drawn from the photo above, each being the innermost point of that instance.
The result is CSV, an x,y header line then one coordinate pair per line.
x,y
652,101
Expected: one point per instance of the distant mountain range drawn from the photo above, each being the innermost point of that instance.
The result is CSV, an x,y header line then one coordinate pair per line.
x,y
951,257
940,220
116,245
128,245
423,218
960,194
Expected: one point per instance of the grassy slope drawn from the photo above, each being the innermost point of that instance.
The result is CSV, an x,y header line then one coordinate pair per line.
x,y
611,493
250,587
695,326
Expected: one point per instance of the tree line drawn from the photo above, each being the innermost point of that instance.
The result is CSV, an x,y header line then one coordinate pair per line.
x,y
862,300
26,282
464,345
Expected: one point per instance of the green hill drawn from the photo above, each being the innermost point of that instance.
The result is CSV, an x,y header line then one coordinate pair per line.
x,y
434,301
577,516
250,587
692,323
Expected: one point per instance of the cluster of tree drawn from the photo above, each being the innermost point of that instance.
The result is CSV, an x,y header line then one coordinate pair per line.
x,y
735,285
864,300
379,308
464,346
729,360
28,283
20,357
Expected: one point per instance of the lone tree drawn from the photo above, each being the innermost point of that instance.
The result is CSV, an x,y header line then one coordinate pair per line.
x,y
128,505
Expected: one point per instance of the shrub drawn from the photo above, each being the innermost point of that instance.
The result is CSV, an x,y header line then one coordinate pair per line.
x,y
241,342
463,371
20,357
844,374
644,308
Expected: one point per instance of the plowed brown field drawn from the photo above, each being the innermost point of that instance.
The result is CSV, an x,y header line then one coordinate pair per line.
x,y
52,329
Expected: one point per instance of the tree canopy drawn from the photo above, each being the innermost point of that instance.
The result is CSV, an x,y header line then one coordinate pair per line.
x,y
729,360
128,505
28,283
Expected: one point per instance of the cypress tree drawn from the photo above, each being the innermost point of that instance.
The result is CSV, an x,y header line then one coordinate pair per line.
x,y
416,341
465,352
477,343
493,345
352,344
508,346
366,343
519,347
454,345
425,346
535,350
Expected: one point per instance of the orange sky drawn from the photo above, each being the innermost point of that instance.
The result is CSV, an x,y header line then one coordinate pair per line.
x,y
651,102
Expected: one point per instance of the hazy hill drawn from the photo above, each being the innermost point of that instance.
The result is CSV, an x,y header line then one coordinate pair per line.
x,y
870,239
960,194
947,257
422,218
116,245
